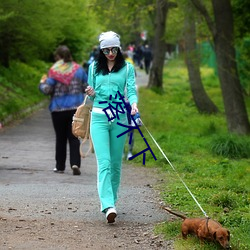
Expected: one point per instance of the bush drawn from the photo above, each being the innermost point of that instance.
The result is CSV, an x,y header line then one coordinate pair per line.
x,y
19,88
223,200
231,146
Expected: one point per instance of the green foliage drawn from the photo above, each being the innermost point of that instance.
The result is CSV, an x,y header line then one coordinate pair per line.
x,y
170,230
241,17
19,87
231,146
175,28
128,18
243,59
219,183
224,200
175,25
29,33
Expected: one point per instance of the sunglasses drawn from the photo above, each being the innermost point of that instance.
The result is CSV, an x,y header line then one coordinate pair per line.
x,y
106,51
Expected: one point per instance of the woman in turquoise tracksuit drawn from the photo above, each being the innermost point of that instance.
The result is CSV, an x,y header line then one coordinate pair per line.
x,y
108,76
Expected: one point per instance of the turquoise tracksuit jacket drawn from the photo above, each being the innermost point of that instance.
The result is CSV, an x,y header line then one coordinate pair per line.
x,y
108,85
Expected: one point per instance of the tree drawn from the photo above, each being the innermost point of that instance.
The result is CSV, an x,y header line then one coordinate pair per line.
x,y
127,17
242,33
201,99
159,46
28,33
223,38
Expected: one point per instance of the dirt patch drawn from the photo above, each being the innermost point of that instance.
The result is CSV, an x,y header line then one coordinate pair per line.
x,y
50,234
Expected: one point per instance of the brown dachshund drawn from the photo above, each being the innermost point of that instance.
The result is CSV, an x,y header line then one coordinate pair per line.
x,y
204,229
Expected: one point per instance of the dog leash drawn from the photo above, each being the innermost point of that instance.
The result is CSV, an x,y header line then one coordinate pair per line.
x,y
175,170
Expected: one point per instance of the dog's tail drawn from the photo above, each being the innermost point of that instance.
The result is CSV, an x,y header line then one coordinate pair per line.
x,y
175,213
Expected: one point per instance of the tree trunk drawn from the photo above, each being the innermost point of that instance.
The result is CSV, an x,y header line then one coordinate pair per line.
x,y
235,109
159,47
201,99
223,38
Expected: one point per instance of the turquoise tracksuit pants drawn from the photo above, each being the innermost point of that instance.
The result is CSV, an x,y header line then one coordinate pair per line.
x,y
108,150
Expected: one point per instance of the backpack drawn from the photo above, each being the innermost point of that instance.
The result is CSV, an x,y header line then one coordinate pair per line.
x,y
81,126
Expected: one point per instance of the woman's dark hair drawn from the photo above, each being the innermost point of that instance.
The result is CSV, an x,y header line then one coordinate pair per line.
x,y
102,67
63,52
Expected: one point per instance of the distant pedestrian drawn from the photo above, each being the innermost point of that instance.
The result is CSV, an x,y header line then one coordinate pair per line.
x,y
65,84
93,56
147,55
138,56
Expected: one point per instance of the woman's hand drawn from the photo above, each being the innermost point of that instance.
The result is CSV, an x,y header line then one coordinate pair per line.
x,y
134,108
43,79
90,91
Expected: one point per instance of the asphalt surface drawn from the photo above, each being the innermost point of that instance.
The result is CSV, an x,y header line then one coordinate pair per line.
x,y
26,164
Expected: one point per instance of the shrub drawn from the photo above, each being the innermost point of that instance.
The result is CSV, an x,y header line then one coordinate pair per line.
x,y
231,146
223,200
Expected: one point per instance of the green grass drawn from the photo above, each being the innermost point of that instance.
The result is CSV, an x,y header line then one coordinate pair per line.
x,y
19,88
214,164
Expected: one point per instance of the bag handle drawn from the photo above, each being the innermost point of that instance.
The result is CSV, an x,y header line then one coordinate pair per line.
x,y
90,149
85,99
87,137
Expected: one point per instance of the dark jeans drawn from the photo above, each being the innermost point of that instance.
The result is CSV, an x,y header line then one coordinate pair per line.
x,y
147,65
62,122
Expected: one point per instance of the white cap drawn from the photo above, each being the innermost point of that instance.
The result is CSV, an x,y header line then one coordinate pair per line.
x,y
109,39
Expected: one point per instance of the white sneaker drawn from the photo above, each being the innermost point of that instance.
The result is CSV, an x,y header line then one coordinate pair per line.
x,y
58,171
76,170
111,214
129,155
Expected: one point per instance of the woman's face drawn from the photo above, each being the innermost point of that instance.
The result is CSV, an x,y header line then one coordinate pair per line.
x,y
110,53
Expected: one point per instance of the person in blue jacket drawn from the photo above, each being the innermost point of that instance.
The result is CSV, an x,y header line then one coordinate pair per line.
x,y
108,76
65,83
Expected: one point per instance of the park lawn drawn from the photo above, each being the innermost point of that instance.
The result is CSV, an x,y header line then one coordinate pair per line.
x,y
192,143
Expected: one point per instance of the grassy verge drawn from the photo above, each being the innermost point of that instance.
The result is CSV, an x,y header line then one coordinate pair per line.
x,y
214,164
19,88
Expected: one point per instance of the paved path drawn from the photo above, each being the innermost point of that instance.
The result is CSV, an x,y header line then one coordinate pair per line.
x,y
26,163
141,78
30,190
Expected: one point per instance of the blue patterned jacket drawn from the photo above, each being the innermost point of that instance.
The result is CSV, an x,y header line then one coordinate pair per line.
x,y
65,97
